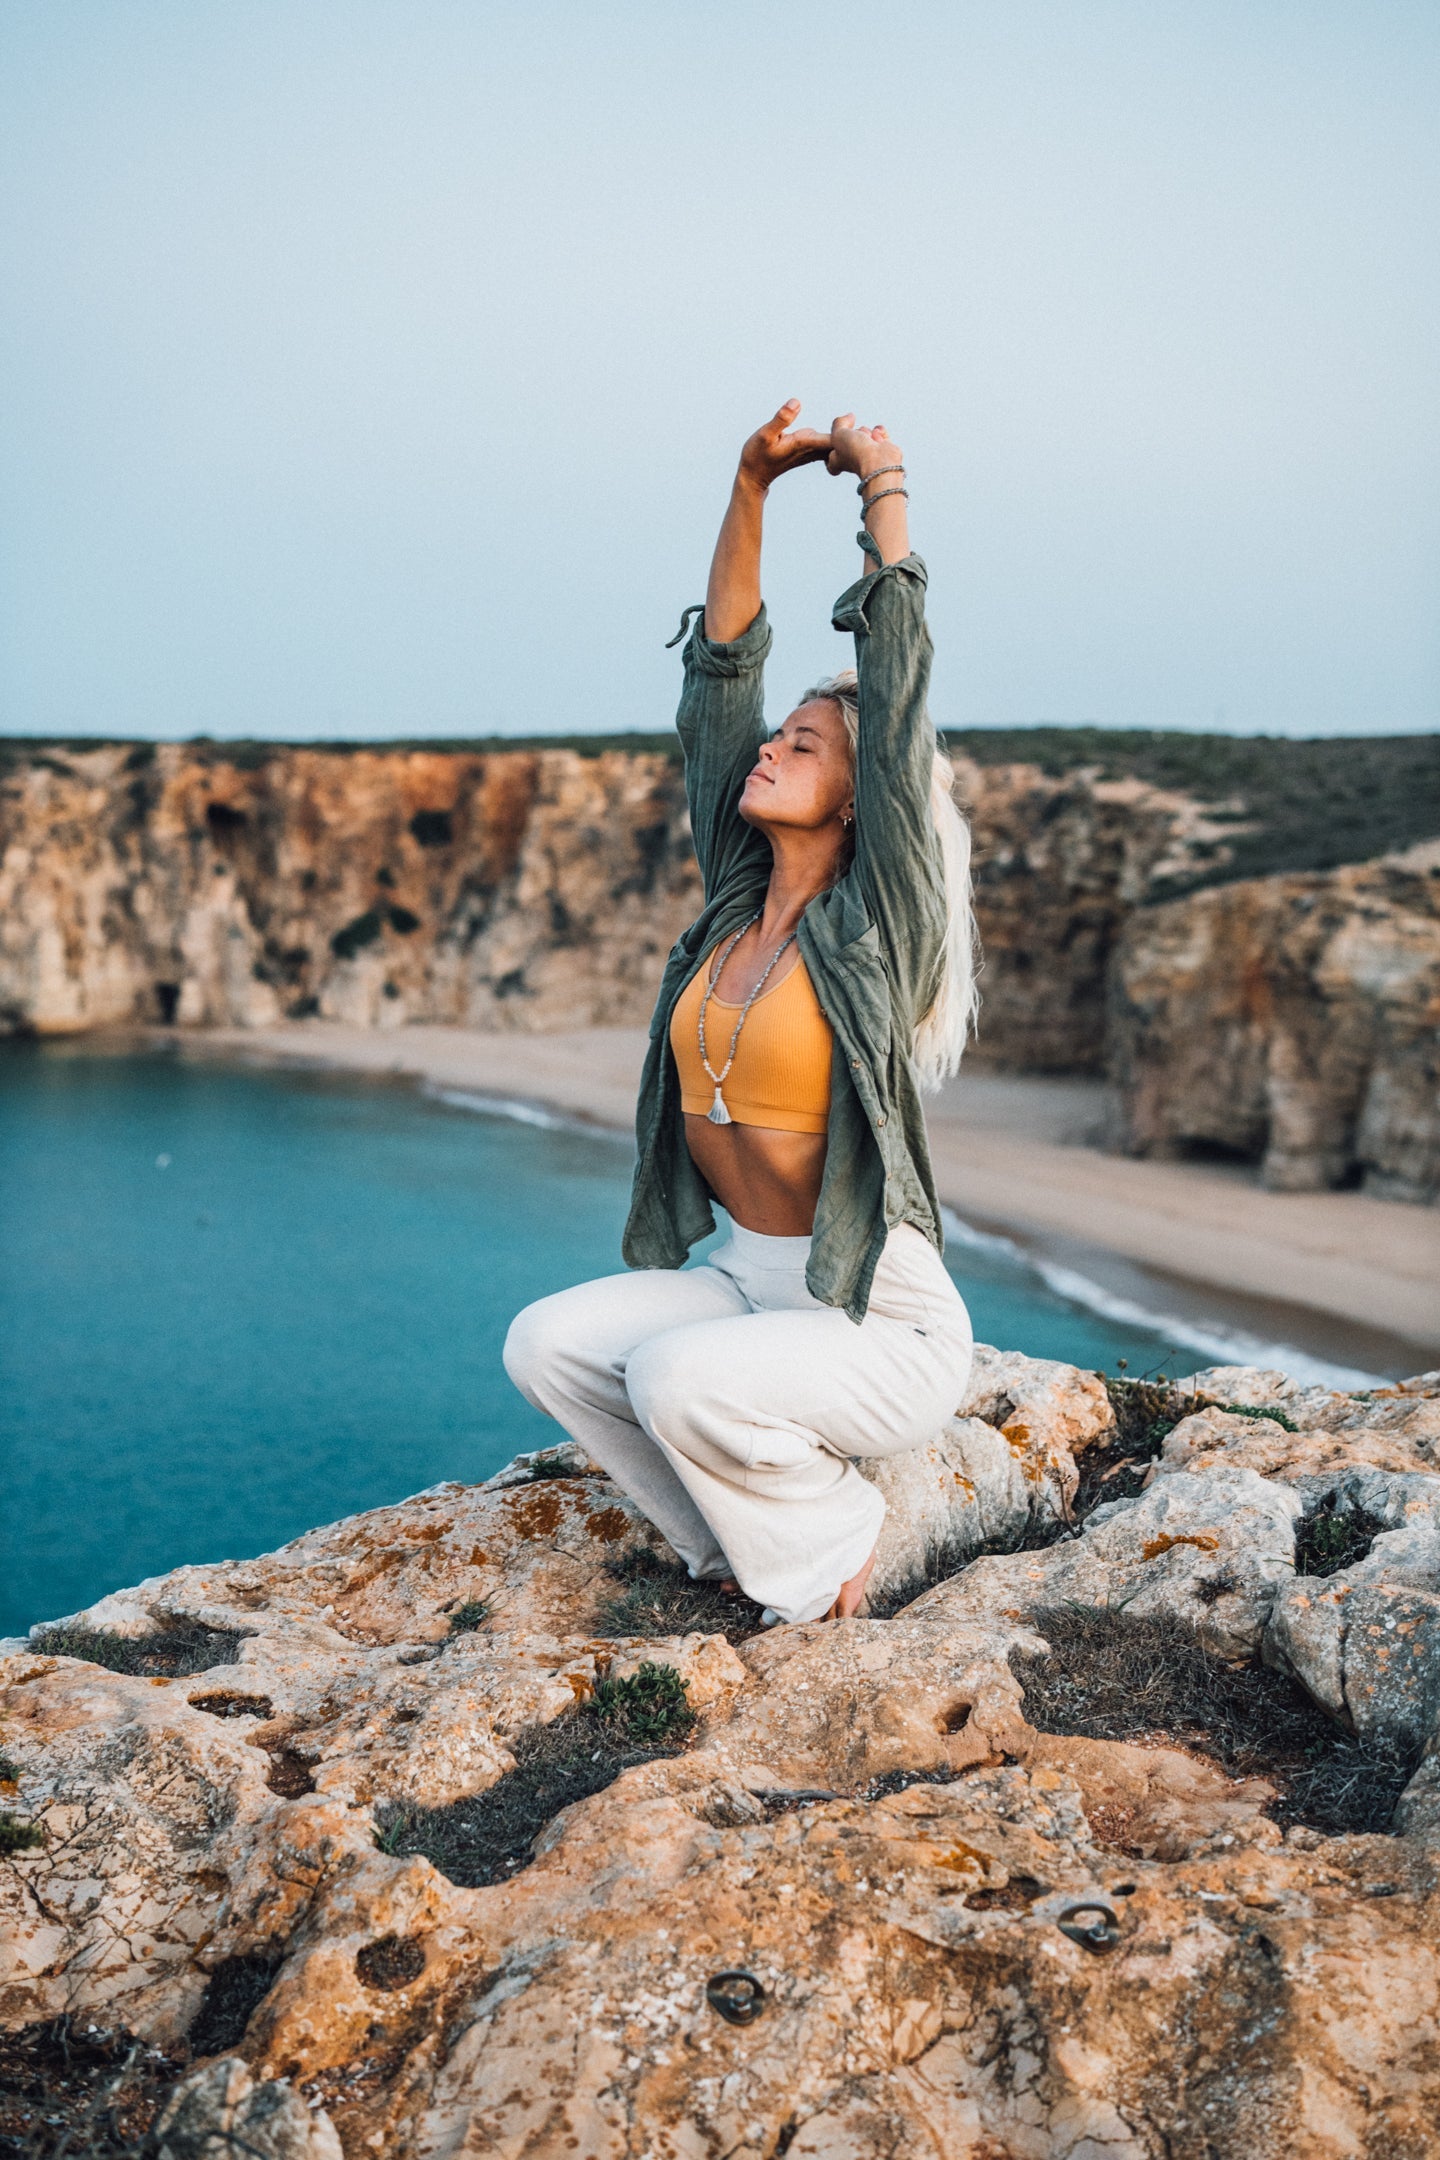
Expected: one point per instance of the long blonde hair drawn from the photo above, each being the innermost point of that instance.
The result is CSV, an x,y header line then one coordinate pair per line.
x,y
943,1030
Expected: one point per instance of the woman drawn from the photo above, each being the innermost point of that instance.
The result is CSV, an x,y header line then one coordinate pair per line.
x,y
828,976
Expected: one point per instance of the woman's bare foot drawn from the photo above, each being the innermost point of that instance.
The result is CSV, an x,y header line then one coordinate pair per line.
x,y
852,1593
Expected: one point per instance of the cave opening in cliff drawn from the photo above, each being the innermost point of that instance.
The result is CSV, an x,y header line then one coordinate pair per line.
x,y
1113,1675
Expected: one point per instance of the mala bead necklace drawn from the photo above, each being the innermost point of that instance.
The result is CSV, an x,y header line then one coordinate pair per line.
x,y
717,1113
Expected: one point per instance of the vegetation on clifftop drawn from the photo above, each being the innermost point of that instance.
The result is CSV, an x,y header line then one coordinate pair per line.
x,y
1307,804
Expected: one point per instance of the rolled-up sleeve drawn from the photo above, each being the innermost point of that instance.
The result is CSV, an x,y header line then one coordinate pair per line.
x,y
897,851
721,723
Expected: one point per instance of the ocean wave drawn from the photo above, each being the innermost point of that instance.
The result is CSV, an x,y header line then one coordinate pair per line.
x,y
1218,1343
1221,1344
518,1110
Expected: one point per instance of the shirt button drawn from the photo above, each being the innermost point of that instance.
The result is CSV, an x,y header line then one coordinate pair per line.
x,y
855,1064
881,1119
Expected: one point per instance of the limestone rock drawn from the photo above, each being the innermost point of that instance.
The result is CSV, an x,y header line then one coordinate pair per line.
x,y
1216,1439
863,1819
1365,1641
219,2110
1291,1019
1211,1549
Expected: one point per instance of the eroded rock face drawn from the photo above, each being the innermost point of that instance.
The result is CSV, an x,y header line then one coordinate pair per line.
x,y
864,1820
529,889
1291,1019
503,889
1004,1464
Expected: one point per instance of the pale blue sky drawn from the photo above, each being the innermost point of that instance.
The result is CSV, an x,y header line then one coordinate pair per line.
x,y
378,367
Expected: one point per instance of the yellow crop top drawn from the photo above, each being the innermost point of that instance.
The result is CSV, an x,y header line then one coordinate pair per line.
x,y
781,1073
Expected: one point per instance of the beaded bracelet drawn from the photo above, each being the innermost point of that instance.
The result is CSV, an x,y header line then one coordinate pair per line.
x,y
869,506
878,474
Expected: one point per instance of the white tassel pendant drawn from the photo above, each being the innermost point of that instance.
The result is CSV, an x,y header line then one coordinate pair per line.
x,y
717,1113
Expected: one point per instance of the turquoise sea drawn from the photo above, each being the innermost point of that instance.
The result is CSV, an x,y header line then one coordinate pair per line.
x,y
239,1301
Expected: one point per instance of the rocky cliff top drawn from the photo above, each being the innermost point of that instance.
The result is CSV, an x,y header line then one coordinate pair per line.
x,y
469,1825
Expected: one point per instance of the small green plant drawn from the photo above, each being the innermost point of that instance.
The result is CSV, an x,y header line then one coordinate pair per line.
x,y
650,1706
17,1835
1255,1410
467,1617
9,1771
1336,1534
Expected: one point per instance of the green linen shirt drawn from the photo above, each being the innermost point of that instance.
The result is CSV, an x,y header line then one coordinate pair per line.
x,y
873,942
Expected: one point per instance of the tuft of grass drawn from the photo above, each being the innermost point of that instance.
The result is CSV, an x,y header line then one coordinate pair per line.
x,y
946,1557
490,1836
1334,1535
180,1647
467,1617
547,1466
654,1599
235,1990
17,1835
1146,1412
1113,1675
1254,1410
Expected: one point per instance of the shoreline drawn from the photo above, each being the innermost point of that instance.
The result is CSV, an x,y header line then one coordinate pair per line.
x,y
1338,1275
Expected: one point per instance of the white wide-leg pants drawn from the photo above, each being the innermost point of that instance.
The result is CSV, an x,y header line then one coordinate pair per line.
x,y
727,1401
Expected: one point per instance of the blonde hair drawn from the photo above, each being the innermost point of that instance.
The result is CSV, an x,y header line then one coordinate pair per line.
x,y
945,1027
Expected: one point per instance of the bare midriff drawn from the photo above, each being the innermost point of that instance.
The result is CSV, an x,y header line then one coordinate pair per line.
x,y
765,1181
766,1166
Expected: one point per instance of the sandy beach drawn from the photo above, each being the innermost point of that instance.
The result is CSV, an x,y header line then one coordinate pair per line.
x,y
1348,1277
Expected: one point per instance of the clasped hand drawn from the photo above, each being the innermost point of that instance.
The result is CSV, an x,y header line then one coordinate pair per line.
x,y
779,446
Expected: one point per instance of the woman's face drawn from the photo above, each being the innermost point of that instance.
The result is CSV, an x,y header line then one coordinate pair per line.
x,y
802,776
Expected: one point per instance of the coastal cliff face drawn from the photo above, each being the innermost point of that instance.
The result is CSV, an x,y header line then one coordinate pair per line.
x,y
526,889
1291,1019
521,889
451,1828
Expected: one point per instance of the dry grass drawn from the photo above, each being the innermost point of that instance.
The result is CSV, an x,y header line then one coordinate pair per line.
x,y
1111,1675
491,1836
74,2091
653,1599
181,1646
946,1557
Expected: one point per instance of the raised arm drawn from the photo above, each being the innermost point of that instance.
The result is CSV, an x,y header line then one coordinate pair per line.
x,y
721,720
732,598
897,853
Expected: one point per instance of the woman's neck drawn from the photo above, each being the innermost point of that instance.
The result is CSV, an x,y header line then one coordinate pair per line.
x,y
804,864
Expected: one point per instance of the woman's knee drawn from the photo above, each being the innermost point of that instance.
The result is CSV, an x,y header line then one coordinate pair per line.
x,y
660,1381
535,1341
